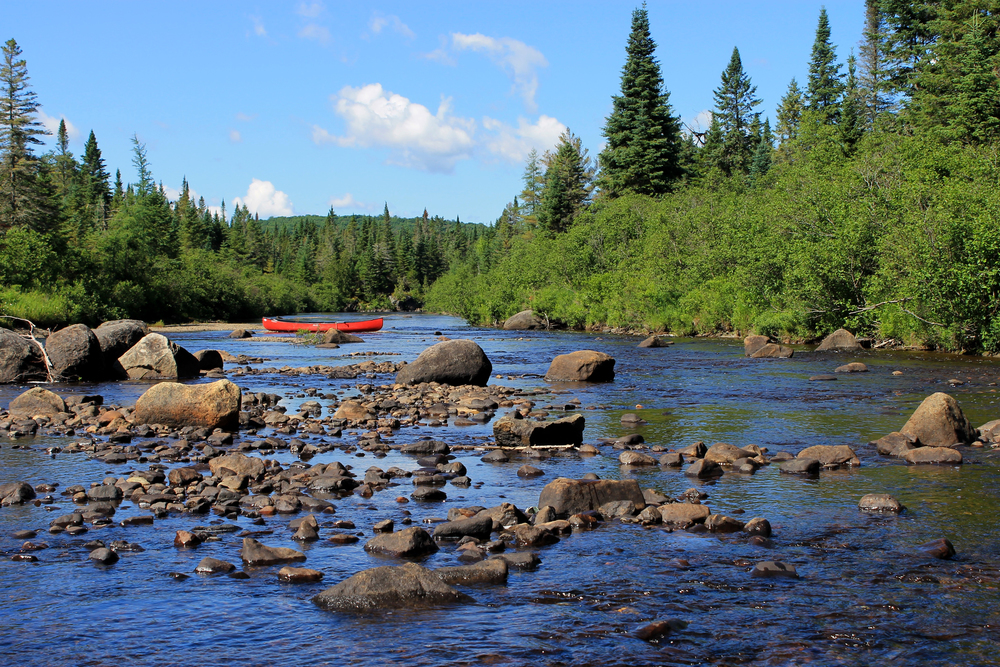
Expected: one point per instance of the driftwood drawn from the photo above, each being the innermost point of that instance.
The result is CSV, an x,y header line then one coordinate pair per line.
x,y
31,336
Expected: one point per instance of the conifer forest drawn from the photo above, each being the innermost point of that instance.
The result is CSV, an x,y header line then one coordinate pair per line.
x,y
867,197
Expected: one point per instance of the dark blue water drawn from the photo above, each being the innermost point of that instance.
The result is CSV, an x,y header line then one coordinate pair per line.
x,y
864,597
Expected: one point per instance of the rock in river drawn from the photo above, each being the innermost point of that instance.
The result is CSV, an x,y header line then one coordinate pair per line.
x,y
214,405
36,402
493,571
237,464
831,456
16,493
772,569
932,455
939,422
880,502
526,320
582,366
75,354
454,362
255,553
511,431
20,359
410,542
841,339
408,585
572,496
773,351
156,357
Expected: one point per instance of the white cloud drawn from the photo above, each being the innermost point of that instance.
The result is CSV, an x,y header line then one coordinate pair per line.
x,y
380,21
347,201
417,137
258,26
514,143
519,60
52,125
316,32
266,201
309,9
246,118
235,136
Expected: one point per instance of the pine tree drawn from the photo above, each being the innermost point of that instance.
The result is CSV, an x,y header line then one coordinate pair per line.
x,y
790,113
66,167
22,198
734,108
975,108
557,209
760,164
824,87
534,182
874,78
850,124
643,147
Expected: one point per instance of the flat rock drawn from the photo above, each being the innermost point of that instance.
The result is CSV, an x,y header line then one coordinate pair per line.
x,y
831,456
512,432
479,526
255,553
519,560
299,575
772,569
410,542
880,502
853,367
492,571
573,496
408,585
582,366
636,459
800,466
932,456
684,514
211,406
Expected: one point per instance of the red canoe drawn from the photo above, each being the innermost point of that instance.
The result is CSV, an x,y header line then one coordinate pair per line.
x,y
278,324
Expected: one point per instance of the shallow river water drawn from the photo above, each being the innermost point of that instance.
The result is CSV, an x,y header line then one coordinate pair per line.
x,y
864,597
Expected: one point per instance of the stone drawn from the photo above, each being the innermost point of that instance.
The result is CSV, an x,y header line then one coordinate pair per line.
x,y
573,496
335,337
493,571
237,464
21,359
841,339
581,366
672,460
240,333
299,575
16,493
183,476
529,471
636,459
388,587
990,431
939,422
354,411
853,367
941,548
526,535
213,405
617,509
117,337
75,354
428,494
880,502
512,432
454,362
526,320
519,560
702,469
658,629
895,444
36,402
771,569
214,566
384,526
932,456
656,341
758,526
724,454
684,514
185,540
412,542
479,526
773,351
696,450
720,523
255,553
831,456
753,343
823,377
155,357
104,492
800,466
209,360
496,456
104,556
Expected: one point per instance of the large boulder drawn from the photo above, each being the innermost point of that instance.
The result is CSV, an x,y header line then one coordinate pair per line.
x,y
237,464
116,338
752,343
932,455
16,493
454,362
939,422
36,402
408,585
582,366
772,351
526,320
841,339
335,337
209,360
724,454
215,405
831,456
75,354
512,432
155,357
410,542
20,359
572,496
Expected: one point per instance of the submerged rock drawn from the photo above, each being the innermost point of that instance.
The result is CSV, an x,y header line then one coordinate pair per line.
x,y
941,548
880,502
772,569
408,585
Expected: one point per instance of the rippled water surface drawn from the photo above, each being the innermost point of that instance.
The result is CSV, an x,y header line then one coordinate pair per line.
x,y
865,596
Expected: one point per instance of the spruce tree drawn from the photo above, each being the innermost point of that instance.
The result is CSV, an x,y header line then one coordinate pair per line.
x,y
534,182
975,108
760,164
873,79
643,136
824,87
790,113
850,124
23,199
734,108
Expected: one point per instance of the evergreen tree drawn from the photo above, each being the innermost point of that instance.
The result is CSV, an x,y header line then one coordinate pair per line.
x,y
975,108
534,182
824,88
22,198
761,162
850,125
734,108
66,167
790,113
643,147
873,81
557,208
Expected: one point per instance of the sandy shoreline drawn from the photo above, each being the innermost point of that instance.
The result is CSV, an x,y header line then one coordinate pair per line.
x,y
207,326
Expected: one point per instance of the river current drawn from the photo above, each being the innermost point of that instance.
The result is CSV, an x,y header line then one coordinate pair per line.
x,y
865,595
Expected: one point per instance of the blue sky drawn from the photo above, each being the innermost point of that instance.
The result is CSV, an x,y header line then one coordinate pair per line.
x,y
293,107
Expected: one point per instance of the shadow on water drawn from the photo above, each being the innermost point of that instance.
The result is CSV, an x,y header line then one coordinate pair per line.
x,y
865,594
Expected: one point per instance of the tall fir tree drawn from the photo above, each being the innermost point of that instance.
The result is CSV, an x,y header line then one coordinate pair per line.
x,y
873,79
534,183
23,198
790,113
851,125
735,100
571,172
825,86
975,107
643,136
760,164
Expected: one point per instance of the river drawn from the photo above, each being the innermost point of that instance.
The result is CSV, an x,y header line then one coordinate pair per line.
x,y
864,595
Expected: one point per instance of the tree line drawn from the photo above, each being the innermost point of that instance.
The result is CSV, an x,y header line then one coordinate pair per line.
x,y
872,202
79,246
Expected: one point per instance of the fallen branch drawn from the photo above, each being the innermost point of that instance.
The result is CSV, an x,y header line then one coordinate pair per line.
x,y
31,337
884,303
908,312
